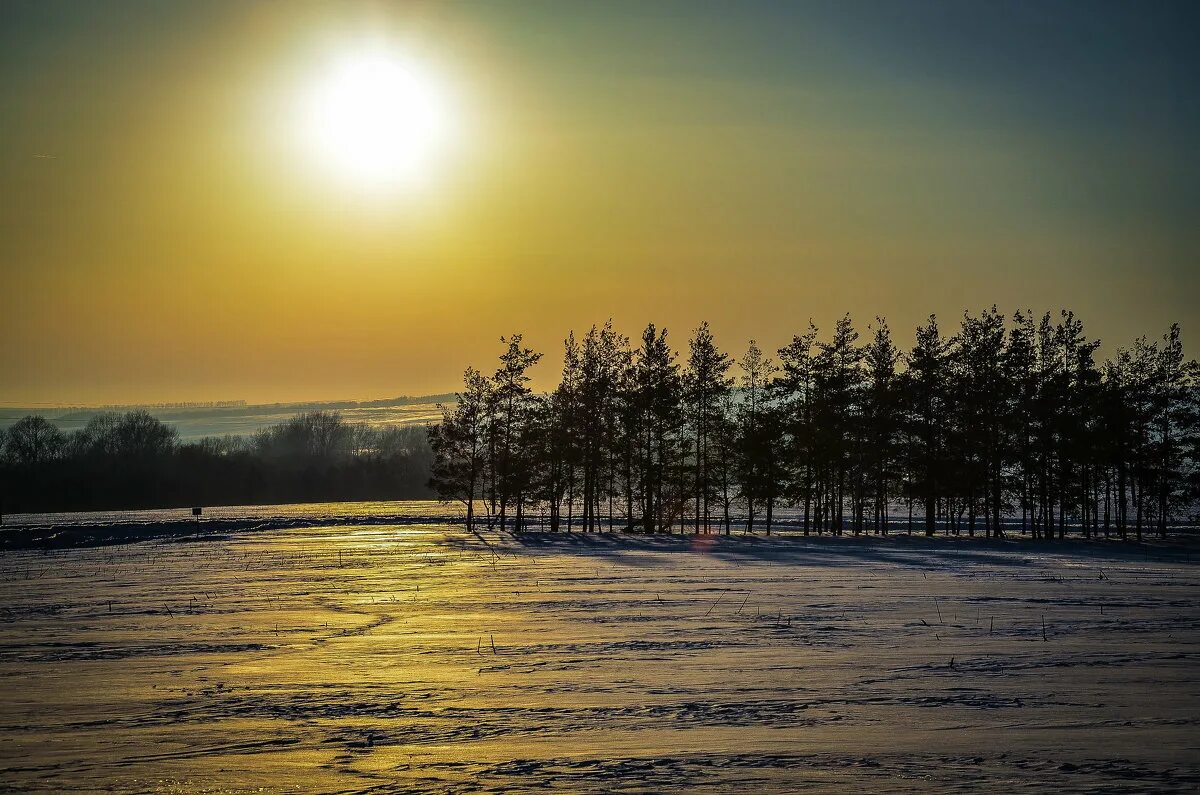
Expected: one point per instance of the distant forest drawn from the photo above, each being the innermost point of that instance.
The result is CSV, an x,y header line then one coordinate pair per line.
x,y
133,460
1007,425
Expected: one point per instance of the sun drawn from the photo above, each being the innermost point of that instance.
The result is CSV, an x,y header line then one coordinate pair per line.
x,y
376,119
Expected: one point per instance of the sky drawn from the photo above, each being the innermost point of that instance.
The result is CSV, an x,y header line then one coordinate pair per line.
x,y
166,235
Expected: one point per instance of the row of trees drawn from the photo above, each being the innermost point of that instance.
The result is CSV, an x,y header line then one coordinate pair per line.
x,y
133,460
1009,422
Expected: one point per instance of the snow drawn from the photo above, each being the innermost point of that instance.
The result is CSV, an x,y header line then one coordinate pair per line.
x,y
346,657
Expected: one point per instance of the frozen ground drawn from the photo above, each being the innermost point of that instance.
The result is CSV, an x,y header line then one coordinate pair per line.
x,y
417,657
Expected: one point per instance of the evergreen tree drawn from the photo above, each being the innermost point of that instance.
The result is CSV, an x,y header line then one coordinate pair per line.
x,y
838,380
925,383
796,386
983,404
881,413
756,460
972,428
706,384
514,412
459,444
657,397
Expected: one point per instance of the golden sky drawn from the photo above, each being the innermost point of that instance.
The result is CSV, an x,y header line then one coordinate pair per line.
x,y
163,237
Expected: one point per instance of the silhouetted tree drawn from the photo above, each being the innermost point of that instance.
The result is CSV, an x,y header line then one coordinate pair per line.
x,y
1018,367
134,460
32,441
512,423
881,416
707,384
1174,416
1001,417
757,467
978,367
459,444
656,399
796,386
925,387
838,379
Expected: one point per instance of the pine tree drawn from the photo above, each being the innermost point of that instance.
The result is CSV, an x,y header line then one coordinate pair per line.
x,y
756,464
881,412
925,387
459,444
838,380
657,398
796,386
706,385
514,404
996,418
978,365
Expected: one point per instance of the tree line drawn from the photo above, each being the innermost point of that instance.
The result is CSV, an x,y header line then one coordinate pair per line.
x,y
1008,423
133,460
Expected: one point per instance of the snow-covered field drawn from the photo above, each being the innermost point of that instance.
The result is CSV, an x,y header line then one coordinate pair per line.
x,y
418,657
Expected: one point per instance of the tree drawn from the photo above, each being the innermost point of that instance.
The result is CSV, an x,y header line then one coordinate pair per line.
x,y
725,447
756,466
797,398
1174,416
33,440
656,398
838,381
133,460
1018,369
314,439
881,417
459,444
514,404
561,433
706,385
599,364
978,365
925,385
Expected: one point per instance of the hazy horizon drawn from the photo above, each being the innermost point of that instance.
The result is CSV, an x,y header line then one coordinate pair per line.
x,y
544,373
234,403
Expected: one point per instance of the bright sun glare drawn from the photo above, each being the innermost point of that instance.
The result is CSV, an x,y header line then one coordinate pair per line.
x,y
376,119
